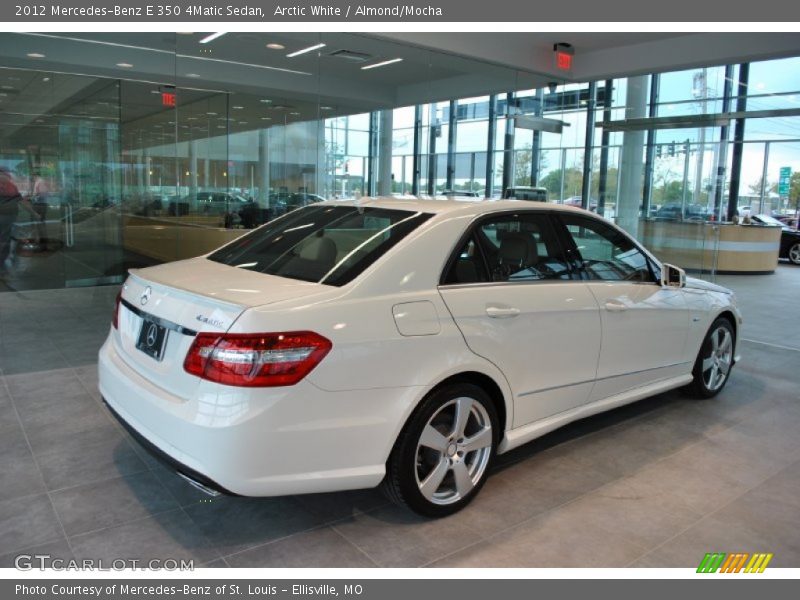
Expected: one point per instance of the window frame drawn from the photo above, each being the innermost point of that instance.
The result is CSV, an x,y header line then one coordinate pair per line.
x,y
568,242
471,232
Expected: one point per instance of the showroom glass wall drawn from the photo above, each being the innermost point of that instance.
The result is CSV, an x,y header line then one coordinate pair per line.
x,y
133,149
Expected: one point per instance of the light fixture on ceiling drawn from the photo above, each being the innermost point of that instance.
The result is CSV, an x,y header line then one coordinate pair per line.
x,y
193,75
381,64
326,108
185,32
212,37
155,91
45,79
266,101
305,50
266,118
274,46
124,65
238,107
6,87
295,114
211,114
35,55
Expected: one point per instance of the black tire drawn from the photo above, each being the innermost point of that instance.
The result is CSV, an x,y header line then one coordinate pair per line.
x,y
705,384
412,463
793,253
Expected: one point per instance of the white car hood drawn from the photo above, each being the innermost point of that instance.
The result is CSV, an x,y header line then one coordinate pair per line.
x,y
699,284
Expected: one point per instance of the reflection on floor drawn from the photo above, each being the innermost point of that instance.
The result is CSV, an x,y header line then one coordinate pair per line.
x,y
659,483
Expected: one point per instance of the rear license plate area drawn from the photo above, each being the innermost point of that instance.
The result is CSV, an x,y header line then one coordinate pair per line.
x,y
152,339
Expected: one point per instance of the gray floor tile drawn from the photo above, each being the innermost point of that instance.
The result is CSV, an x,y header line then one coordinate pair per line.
x,y
235,524
167,535
111,502
19,473
323,548
26,522
341,505
36,556
394,537
97,454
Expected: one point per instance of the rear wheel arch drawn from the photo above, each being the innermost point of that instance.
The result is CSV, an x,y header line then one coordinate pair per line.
x,y
488,385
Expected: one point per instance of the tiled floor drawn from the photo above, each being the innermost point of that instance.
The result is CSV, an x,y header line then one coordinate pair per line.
x,y
658,483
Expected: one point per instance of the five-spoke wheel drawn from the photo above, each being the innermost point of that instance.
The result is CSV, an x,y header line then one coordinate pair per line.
x,y
714,361
443,455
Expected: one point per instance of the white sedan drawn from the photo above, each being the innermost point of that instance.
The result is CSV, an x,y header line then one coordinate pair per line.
x,y
401,343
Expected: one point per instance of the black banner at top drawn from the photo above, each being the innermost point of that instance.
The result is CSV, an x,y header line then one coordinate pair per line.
x,y
398,11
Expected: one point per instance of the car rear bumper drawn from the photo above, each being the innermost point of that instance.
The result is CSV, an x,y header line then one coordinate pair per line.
x,y
260,442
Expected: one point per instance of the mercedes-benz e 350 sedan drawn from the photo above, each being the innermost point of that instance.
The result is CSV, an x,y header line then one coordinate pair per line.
x,y
401,343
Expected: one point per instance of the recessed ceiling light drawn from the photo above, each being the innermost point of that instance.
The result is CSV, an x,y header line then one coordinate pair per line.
x,y
212,37
266,118
304,50
155,91
295,114
221,127
211,114
381,64
242,122
45,79
35,55
124,65
6,87
274,46
326,108
185,32
193,75
266,101
238,107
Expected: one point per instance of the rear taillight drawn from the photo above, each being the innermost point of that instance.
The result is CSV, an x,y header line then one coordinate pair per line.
x,y
256,360
115,318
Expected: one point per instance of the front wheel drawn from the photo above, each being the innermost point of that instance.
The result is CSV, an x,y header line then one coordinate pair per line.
x,y
443,455
714,361
794,253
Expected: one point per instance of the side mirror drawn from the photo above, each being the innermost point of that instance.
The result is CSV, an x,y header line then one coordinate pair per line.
x,y
672,276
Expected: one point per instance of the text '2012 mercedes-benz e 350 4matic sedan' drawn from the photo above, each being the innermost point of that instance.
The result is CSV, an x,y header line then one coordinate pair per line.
x,y
401,343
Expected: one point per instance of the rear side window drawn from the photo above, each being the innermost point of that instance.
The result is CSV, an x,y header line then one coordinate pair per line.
x,y
510,247
322,244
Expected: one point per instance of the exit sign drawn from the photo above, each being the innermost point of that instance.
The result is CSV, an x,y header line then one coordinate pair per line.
x,y
168,99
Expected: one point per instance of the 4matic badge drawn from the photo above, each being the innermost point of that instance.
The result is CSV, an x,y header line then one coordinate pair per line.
x,y
210,321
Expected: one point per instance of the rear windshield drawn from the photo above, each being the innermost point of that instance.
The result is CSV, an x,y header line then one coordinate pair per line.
x,y
323,244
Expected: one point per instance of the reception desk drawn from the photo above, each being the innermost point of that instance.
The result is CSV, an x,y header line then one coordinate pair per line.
x,y
722,247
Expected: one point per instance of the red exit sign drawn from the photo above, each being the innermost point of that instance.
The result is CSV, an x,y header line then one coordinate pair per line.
x,y
168,99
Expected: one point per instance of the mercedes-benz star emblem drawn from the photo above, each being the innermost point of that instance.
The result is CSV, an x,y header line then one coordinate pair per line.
x,y
145,295
152,335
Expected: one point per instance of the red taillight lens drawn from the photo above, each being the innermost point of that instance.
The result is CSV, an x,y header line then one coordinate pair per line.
x,y
115,318
256,360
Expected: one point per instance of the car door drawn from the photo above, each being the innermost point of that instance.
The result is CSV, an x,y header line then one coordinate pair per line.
x,y
509,289
645,326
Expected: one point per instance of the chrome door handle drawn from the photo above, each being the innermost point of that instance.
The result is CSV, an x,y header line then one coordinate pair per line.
x,y
616,306
501,312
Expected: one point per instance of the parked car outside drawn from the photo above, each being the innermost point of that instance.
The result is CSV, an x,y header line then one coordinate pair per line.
x,y
790,238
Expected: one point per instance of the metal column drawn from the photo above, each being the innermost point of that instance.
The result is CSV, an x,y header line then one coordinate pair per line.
x,y
738,139
586,183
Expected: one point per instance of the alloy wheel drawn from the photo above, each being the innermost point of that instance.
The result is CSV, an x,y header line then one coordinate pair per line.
x,y
453,451
717,363
794,254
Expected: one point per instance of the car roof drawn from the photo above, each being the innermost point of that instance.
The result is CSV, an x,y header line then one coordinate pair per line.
x,y
455,206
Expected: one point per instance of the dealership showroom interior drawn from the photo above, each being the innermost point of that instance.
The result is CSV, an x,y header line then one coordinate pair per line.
x,y
558,269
